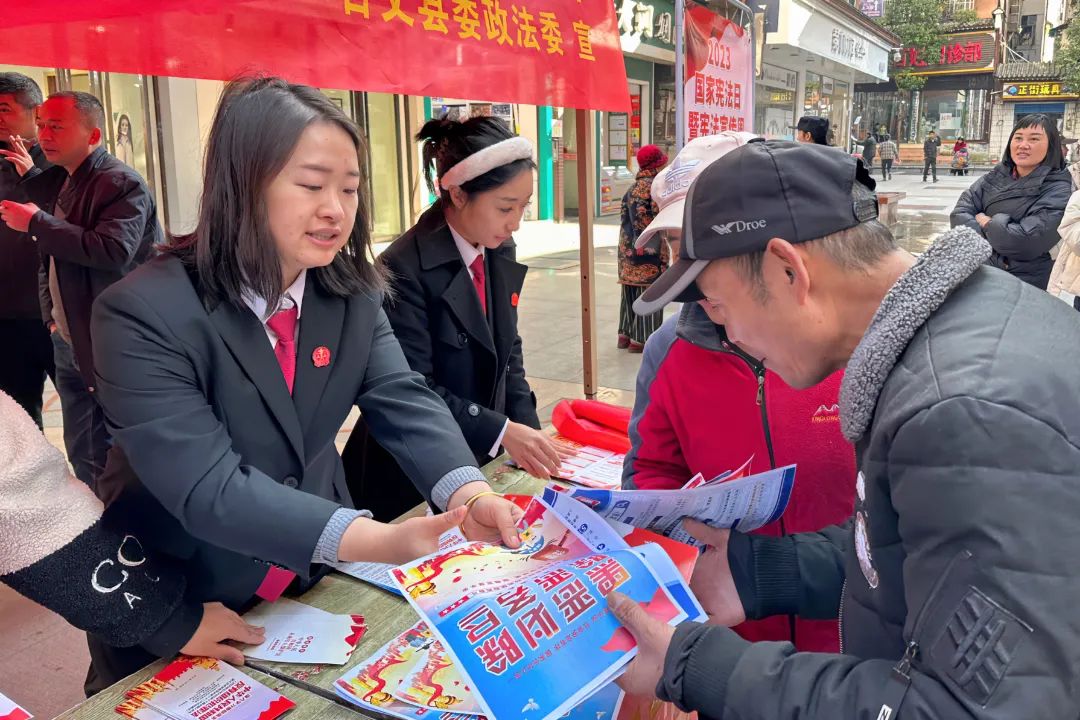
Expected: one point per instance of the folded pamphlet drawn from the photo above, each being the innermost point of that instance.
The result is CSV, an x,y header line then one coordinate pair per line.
x,y
299,633
744,504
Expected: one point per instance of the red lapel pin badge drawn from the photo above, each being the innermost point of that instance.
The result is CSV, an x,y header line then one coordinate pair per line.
x,y
514,299
321,356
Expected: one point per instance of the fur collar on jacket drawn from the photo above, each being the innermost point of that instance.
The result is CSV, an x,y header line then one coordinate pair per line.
x,y
917,295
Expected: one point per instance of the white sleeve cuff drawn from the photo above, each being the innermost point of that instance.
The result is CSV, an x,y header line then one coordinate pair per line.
x,y
497,447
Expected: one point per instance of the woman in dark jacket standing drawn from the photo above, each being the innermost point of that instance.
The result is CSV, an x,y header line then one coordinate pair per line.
x,y
456,288
638,268
1018,205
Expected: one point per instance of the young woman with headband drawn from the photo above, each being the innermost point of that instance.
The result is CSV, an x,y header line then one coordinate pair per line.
x,y
456,285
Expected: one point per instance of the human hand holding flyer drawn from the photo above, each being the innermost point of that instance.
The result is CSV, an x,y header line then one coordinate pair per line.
x,y
744,504
299,633
502,615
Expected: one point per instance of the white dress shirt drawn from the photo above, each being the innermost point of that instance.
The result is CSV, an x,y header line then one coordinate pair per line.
x,y
293,295
469,253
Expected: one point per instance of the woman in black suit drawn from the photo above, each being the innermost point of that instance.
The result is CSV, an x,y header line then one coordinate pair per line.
x,y
456,286
228,365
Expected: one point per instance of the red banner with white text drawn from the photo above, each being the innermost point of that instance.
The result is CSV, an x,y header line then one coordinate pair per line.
x,y
719,79
563,53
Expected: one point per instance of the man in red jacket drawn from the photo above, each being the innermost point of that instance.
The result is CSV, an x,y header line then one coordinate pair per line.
x,y
704,405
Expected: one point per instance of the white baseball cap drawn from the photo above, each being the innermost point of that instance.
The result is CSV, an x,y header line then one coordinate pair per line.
x,y
670,186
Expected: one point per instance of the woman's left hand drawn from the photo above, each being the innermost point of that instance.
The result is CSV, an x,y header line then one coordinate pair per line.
x,y
982,219
491,518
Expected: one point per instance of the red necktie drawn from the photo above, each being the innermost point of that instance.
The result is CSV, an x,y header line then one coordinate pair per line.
x,y
283,323
477,268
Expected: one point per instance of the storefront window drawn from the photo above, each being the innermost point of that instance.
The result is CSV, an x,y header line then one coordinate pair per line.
x,y
387,199
128,122
954,113
828,98
774,102
664,120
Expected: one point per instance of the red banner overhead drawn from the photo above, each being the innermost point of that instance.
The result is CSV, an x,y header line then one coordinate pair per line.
x,y
563,53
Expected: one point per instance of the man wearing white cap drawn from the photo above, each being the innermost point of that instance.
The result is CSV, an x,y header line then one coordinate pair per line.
x,y
705,405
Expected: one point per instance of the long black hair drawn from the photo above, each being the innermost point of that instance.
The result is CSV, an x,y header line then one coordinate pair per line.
x,y
1054,159
257,125
448,142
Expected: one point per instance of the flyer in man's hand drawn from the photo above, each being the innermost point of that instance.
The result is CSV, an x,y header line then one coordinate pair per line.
x,y
299,633
204,689
10,710
529,629
744,504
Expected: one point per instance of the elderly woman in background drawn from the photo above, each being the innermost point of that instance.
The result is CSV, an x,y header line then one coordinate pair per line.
x,y
638,268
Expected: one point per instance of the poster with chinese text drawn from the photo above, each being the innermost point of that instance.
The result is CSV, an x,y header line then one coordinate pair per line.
x,y
719,75
529,629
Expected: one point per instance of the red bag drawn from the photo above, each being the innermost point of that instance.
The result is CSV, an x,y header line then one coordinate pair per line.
x,y
591,422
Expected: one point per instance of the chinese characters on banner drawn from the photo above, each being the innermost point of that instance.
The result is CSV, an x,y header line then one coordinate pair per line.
x,y
564,53
965,51
718,76
1021,91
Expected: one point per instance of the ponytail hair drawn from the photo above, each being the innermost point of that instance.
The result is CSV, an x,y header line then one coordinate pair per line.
x,y
447,142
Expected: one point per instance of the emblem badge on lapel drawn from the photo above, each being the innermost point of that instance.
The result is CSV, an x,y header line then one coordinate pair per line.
x,y
321,356
514,299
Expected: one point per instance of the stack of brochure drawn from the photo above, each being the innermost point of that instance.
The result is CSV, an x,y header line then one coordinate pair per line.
x,y
525,633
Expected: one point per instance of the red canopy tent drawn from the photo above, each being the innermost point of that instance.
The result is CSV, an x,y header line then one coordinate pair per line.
x,y
562,53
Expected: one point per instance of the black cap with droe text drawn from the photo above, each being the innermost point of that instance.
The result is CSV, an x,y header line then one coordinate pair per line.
x,y
766,189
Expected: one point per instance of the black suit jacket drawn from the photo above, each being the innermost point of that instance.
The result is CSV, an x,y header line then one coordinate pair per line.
x,y
231,471
19,259
475,366
111,227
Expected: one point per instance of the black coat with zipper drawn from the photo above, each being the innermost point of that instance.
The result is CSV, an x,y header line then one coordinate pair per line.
x,y
110,228
957,581
1024,217
472,361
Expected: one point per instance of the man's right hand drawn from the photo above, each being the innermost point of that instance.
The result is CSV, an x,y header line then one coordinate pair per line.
x,y
220,624
712,582
18,155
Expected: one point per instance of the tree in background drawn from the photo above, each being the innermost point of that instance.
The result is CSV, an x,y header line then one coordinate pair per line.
x,y
1067,55
921,26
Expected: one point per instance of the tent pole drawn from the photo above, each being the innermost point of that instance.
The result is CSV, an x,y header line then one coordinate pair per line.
x,y
586,169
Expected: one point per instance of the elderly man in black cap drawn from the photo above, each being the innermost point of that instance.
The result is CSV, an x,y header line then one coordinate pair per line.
x,y
956,581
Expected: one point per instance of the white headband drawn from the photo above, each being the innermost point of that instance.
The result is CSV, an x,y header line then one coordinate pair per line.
x,y
501,153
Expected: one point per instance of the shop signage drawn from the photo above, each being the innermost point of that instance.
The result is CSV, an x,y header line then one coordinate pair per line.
x,y
565,53
849,46
778,77
1039,90
651,22
719,75
873,8
964,52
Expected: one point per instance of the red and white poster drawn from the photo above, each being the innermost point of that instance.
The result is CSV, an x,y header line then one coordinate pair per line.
x,y
564,53
718,78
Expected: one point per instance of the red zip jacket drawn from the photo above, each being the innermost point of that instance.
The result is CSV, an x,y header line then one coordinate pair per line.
x,y
702,406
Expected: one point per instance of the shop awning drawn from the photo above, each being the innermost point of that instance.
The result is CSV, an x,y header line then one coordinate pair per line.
x,y
562,53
